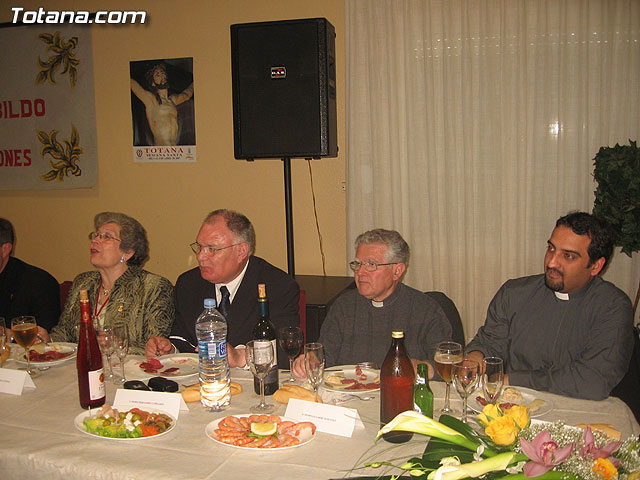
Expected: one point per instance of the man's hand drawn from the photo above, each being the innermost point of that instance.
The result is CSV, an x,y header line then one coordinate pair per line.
x,y
298,367
236,356
478,357
157,346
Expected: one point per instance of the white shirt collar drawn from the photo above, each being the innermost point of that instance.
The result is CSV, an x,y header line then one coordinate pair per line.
x,y
232,286
562,296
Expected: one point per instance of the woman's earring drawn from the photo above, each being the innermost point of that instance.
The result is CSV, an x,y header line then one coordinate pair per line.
x,y
122,259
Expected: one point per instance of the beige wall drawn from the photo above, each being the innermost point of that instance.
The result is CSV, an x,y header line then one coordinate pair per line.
x,y
171,200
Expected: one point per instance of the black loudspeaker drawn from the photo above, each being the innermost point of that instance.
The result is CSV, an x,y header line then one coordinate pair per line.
x,y
284,89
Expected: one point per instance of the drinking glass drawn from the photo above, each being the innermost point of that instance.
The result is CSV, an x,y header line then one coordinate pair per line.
x,y
105,336
3,335
465,376
291,340
447,354
121,345
259,355
25,330
492,378
314,365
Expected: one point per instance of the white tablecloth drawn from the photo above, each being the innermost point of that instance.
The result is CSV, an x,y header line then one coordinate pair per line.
x,y
39,439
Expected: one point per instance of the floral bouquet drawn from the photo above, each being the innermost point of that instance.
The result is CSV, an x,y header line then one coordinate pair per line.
x,y
511,447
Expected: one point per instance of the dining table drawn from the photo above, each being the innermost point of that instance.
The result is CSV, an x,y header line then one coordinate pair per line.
x,y
40,440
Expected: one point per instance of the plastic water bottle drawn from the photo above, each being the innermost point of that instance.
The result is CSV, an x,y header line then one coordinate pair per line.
x,y
211,330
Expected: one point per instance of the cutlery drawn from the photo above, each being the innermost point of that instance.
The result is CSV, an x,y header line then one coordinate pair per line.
x,y
42,340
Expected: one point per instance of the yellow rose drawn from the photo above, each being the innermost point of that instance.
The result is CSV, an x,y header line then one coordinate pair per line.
x,y
604,468
519,414
489,412
502,430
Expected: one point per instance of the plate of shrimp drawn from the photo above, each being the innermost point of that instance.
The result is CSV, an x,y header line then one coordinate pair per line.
x,y
236,431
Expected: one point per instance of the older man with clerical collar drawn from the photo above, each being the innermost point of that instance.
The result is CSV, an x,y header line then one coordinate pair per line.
x,y
227,268
566,331
359,323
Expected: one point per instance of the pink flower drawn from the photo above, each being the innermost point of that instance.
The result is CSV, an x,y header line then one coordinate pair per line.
x,y
590,451
544,454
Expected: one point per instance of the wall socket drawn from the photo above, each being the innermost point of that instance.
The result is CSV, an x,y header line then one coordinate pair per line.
x,y
343,186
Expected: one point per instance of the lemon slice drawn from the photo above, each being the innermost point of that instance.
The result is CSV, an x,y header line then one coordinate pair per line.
x,y
264,429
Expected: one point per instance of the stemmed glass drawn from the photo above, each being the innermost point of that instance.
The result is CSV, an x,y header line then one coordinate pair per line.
x,y
121,345
314,365
107,346
447,354
259,356
465,376
291,340
25,330
492,378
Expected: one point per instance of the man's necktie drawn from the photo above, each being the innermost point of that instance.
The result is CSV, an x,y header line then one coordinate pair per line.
x,y
224,303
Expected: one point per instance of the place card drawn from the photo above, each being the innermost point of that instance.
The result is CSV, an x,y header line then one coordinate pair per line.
x,y
14,381
327,418
170,403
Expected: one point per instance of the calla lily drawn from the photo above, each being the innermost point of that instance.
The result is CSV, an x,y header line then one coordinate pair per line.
x,y
451,471
591,451
411,421
544,454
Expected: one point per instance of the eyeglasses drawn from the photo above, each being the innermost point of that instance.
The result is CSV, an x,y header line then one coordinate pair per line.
x,y
103,236
368,266
209,249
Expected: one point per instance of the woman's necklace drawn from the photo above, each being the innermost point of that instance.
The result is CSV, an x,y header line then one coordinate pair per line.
x,y
107,294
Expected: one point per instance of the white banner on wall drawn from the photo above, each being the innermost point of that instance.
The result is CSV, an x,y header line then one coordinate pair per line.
x,y
47,109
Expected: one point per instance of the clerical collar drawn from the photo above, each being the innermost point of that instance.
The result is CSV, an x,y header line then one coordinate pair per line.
x,y
388,300
562,296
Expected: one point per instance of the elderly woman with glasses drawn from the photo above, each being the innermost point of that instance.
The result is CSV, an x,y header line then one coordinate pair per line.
x,y
119,289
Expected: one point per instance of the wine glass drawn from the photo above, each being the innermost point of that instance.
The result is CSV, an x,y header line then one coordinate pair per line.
x,y
291,340
121,345
25,330
314,365
465,376
3,335
105,336
492,378
259,356
447,354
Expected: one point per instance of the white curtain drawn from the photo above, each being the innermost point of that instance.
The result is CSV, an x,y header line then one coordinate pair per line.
x,y
472,126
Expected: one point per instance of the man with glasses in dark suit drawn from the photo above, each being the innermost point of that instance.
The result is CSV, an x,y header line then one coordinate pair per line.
x,y
229,272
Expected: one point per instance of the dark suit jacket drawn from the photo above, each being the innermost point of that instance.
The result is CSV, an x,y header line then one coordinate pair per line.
x,y
283,293
29,290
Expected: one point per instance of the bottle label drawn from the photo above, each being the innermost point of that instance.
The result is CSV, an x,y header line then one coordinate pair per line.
x,y
96,384
212,351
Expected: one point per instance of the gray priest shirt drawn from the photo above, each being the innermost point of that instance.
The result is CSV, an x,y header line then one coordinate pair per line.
x,y
357,331
579,346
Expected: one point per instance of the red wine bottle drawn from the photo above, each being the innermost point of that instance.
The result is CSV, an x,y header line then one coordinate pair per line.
x,y
264,330
89,359
396,386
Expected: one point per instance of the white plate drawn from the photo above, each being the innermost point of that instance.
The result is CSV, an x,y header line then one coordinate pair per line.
x,y
350,373
528,396
186,362
305,437
62,347
80,426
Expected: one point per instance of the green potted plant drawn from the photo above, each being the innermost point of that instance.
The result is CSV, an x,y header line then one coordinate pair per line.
x,y
617,171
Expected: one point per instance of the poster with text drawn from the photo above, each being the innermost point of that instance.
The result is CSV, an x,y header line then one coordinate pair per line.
x,y
162,110
47,109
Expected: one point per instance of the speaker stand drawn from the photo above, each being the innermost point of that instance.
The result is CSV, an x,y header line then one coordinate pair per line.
x,y
288,210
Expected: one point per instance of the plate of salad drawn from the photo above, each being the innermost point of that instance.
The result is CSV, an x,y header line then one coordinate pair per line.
x,y
133,424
